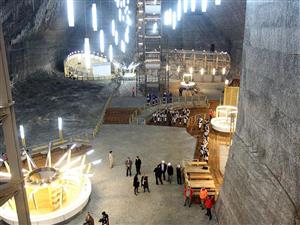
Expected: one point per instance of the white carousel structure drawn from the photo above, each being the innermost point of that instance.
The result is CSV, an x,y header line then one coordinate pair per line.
x,y
225,120
55,192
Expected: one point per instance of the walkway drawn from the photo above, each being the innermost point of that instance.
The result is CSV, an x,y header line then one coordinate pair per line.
x,y
113,191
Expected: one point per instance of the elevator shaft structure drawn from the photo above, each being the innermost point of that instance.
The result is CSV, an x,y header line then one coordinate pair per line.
x,y
15,187
150,76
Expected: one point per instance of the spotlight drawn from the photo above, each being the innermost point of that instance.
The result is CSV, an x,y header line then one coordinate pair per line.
x,y
224,71
154,29
202,71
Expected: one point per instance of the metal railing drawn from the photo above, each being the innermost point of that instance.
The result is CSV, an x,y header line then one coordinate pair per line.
x,y
83,138
101,117
195,100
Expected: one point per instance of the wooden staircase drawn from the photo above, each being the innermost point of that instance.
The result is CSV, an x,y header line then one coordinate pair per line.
x,y
118,115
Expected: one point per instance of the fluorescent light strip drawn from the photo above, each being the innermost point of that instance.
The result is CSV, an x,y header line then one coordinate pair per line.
x,y
185,6
101,36
70,9
218,2
113,27
174,20
123,49
110,53
59,123
179,10
94,17
87,52
116,38
193,5
204,5
22,132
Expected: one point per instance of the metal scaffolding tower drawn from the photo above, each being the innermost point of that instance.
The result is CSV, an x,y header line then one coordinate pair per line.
x,y
149,34
15,188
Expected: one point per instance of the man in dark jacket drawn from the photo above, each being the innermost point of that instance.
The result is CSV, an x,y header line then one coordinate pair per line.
x,y
104,220
136,184
170,172
178,173
144,183
128,164
157,172
163,167
138,164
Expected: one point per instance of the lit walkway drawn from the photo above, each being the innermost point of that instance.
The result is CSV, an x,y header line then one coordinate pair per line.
x,y
113,191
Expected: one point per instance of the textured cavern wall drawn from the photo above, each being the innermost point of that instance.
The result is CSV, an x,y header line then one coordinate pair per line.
x,y
34,34
38,37
262,177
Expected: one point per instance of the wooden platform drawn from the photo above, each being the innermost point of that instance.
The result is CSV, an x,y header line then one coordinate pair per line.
x,y
215,140
118,115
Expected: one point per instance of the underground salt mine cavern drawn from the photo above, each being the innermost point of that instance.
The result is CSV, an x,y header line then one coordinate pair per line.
x,y
155,112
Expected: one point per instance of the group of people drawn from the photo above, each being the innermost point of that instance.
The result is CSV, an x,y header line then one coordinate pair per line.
x,y
203,147
89,220
144,180
206,201
163,168
153,99
171,117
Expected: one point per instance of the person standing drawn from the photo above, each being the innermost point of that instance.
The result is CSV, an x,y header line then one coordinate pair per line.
x,y
163,167
203,195
157,172
209,205
133,91
89,220
111,159
138,164
128,164
178,174
187,196
144,183
170,172
136,184
104,220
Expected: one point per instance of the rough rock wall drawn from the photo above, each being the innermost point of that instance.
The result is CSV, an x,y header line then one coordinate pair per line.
x,y
262,177
34,35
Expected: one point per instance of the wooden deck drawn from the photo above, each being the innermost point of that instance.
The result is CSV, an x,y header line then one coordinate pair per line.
x,y
118,115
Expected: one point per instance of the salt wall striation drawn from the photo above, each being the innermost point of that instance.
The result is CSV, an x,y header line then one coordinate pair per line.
x,y
262,177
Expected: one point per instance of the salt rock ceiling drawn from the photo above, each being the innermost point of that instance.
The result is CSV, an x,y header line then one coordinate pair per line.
x,y
37,35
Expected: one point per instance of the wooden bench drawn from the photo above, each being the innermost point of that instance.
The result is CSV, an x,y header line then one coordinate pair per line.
x,y
197,184
194,176
196,169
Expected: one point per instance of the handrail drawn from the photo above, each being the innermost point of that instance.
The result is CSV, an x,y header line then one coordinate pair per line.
x,y
101,117
181,99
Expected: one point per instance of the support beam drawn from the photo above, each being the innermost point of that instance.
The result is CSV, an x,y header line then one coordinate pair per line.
x,y
11,138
